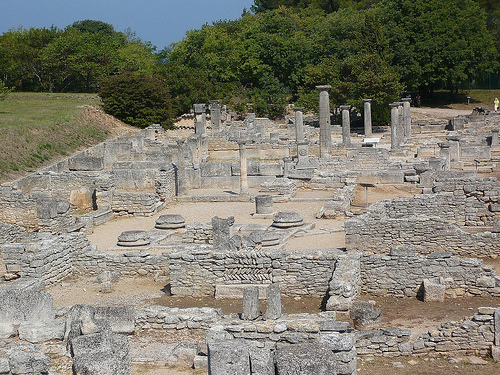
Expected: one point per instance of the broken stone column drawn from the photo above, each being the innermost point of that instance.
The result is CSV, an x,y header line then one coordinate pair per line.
x,y
367,117
303,155
365,316
215,115
495,145
299,124
243,168
200,119
264,204
433,290
325,130
454,143
401,130
444,152
222,232
406,117
395,146
250,303
273,294
346,125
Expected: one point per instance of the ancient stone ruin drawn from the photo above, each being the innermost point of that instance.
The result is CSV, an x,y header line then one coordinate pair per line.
x,y
262,213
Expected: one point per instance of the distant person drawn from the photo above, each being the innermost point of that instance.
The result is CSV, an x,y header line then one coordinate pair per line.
x,y
496,103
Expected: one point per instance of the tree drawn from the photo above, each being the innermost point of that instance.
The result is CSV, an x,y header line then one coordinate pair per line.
x,y
4,91
437,43
137,99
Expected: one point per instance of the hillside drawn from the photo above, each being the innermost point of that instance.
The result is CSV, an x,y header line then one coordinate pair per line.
x,y
38,129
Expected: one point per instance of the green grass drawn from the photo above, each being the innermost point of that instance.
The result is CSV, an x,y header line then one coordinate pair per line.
x,y
478,98
39,128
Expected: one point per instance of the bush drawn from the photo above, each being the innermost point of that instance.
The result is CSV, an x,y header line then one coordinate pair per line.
x,y
137,100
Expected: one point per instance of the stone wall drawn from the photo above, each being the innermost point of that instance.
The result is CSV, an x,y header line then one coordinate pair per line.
x,y
474,334
402,272
135,203
165,184
9,233
165,318
267,336
197,271
458,209
427,233
44,256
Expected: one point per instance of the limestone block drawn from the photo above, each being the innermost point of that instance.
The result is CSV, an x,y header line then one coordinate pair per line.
x,y
495,352
273,302
250,303
121,318
96,363
305,359
496,317
43,331
28,361
173,221
434,291
337,341
200,362
7,330
133,238
287,219
86,163
365,316
262,360
81,198
228,357
184,354
4,365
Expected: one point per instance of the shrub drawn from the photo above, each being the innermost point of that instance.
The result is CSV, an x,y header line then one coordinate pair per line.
x,y
137,100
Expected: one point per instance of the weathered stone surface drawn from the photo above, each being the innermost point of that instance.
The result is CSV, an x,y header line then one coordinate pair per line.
x,y
43,331
264,204
24,300
86,163
273,302
496,318
120,318
28,361
250,303
305,359
222,233
7,330
173,221
262,361
287,219
228,357
200,362
365,316
433,290
133,238
184,354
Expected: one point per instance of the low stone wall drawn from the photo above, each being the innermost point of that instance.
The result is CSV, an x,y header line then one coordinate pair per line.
x,y
135,203
165,318
402,272
197,271
128,264
165,184
474,334
427,233
9,233
268,336
198,233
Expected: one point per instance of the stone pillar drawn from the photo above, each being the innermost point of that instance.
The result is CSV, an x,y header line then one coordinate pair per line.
x,y
406,117
495,145
249,120
445,153
346,125
454,150
401,131
224,113
325,129
299,124
367,117
200,119
395,146
215,115
273,294
264,204
222,231
250,303
243,168
303,154
274,137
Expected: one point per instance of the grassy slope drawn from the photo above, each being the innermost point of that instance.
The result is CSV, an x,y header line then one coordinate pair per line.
x,y
478,98
36,128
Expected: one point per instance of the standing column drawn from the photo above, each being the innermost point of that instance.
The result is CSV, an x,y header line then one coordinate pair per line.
x,y
325,129
215,115
367,117
445,154
406,117
401,130
299,124
495,145
346,125
243,168
200,119
395,146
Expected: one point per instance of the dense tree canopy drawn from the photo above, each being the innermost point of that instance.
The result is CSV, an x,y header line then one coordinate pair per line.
x,y
275,55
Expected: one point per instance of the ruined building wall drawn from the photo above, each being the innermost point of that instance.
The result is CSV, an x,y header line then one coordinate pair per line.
x,y
402,274
427,233
196,271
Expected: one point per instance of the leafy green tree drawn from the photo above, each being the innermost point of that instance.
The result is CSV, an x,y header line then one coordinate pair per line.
x,y
437,43
137,99
4,91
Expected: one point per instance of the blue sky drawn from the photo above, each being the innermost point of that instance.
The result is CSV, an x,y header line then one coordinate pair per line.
x,y
159,21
